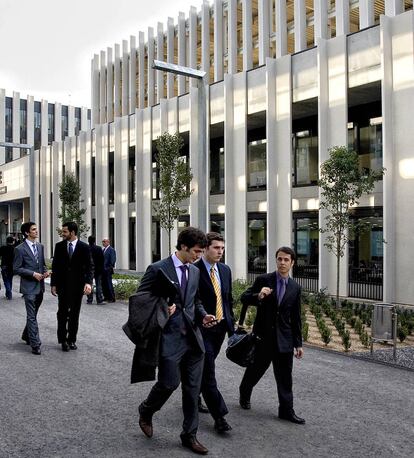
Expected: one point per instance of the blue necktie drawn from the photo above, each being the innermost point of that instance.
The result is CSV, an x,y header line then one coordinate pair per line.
x,y
282,289
35,252
70,250
183,278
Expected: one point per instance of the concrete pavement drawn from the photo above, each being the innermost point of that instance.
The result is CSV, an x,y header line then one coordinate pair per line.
x,y
81,404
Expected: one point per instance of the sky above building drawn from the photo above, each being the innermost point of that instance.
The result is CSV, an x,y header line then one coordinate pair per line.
x,y
46,46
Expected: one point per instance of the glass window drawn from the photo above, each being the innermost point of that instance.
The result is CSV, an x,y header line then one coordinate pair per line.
x,y
155,240
306,245
217,170
111,182
217,224
256,165
132,249
305,147
93,179
112,231
257,247
131,175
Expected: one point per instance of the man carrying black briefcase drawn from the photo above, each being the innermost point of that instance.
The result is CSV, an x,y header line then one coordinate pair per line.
x,y
279,332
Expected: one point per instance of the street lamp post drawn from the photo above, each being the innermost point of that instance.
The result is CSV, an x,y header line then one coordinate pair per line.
x,y
200,76
31,171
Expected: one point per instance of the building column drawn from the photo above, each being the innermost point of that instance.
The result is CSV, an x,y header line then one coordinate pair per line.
x,y
30,120
71,121
218,40
232,36
125,79
332,131
281,29
36,164
121,192
143,201
2,125
264,36
16,123
300,25
320,19
85,176
366,14
109,86
170,56
235,163
102,89
247,35
342,17
205,39
394,7
45,220
141,70
117,83
397,45
160,56
278,156
84,120
151,72
192,55
132,96
101,182
57,169
58,122
95,89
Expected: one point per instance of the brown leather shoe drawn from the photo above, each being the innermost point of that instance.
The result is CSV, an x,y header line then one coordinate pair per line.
x,y
193,444
145,424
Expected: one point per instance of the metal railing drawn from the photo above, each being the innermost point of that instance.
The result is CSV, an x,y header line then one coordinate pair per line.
x,y
307,277
366,283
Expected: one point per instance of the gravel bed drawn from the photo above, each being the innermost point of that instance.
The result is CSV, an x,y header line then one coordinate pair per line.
x,y
405,357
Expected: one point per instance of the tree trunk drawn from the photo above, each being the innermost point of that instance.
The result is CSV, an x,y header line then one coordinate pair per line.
x,y
338,263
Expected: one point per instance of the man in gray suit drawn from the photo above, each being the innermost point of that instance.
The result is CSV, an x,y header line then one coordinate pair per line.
x,y
29,263
181,353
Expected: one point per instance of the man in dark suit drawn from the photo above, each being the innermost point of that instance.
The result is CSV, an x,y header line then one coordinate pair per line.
x,y
278,326
7,256
29,263
215,291
108,270
72,276
181,352
98,262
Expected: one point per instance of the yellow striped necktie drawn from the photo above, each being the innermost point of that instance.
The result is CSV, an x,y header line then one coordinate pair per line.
x,y
216,286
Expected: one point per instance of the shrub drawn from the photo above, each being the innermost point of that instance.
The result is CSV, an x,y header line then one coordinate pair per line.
x,y
125,288
305,331
346,340
364,337
402,333
326,335
238,288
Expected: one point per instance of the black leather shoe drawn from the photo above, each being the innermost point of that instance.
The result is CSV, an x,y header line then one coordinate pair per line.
x,y
245,403
193,444
65,346
36,351
26,339
292,417
221,425
202,408
145,423
73,346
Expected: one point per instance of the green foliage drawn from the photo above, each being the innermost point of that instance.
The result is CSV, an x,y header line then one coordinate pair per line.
x,y
125,288
238,288
305,331
402,333
342,184
174,180
346,340
70,198
324,330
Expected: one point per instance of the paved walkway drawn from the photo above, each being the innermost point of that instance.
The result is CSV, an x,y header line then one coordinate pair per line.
x,y
81,404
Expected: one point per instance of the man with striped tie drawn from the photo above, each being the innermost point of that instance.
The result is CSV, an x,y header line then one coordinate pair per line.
x,y
215,292
29,263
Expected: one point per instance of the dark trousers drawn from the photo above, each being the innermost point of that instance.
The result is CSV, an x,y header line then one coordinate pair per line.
x,y
107,286
267,353
213,339
7,274
98,290
69,306
180,361
31,330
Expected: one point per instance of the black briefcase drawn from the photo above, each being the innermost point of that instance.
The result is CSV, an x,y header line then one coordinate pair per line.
x,y
241,348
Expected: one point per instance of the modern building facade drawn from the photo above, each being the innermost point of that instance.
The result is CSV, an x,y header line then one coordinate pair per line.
x,y
287,81
38,124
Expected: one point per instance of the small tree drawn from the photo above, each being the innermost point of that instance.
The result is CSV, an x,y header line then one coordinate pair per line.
x,y
70,197
342,184
174,180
